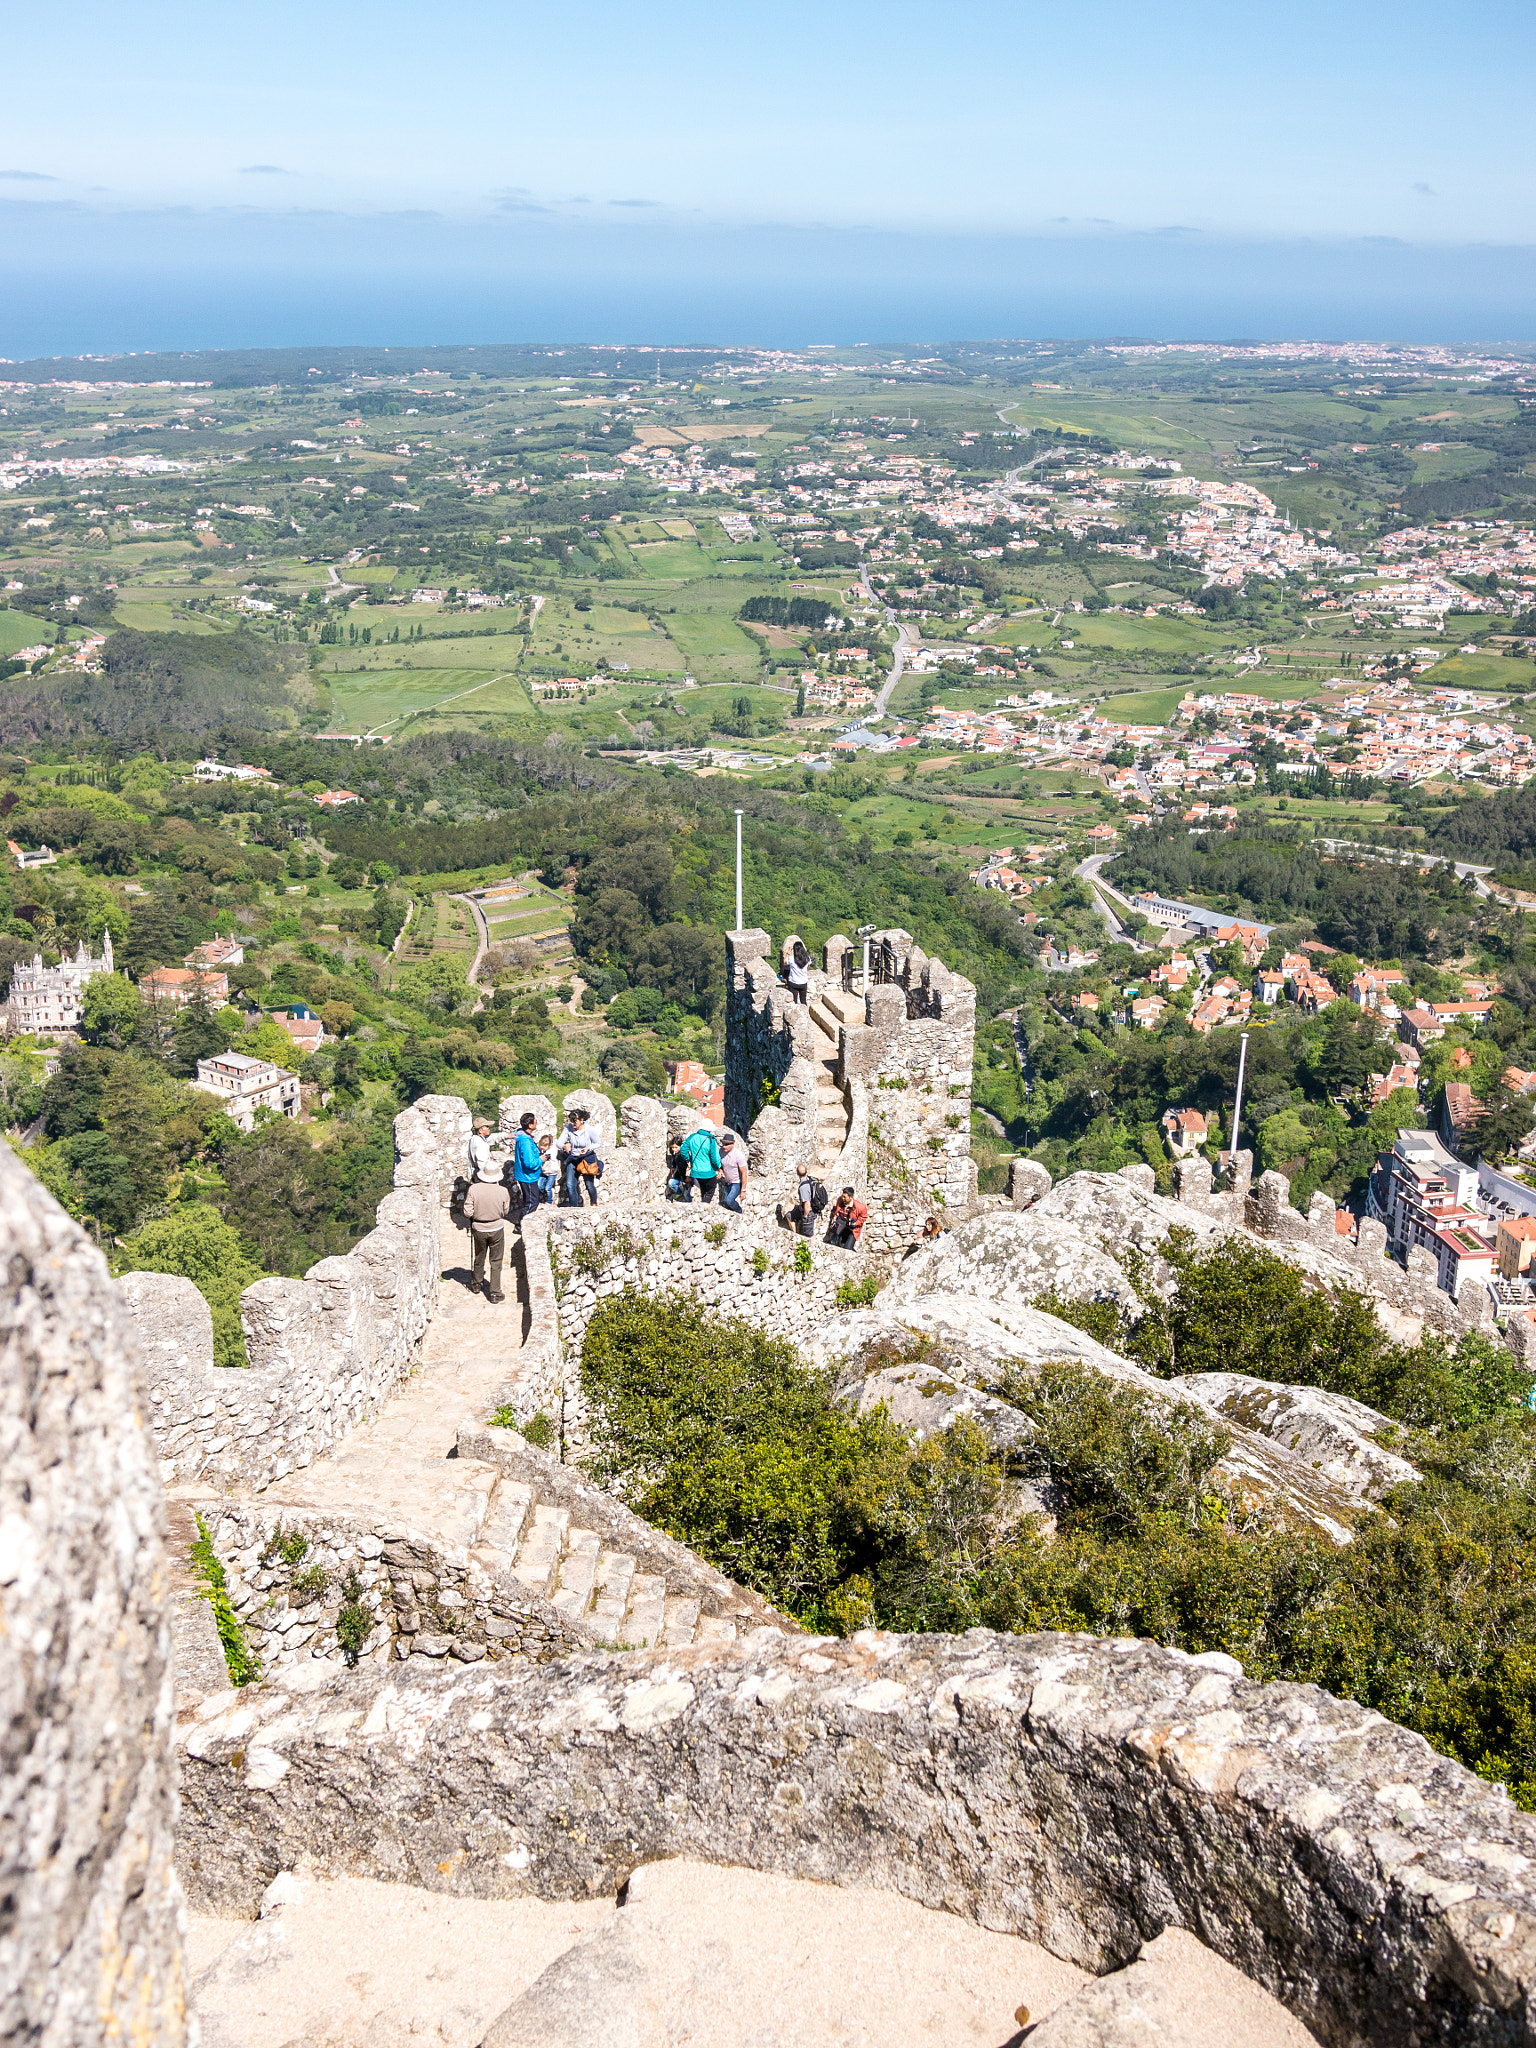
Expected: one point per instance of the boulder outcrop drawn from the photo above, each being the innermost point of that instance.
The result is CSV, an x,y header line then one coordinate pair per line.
x,y
1342,1440
922,1356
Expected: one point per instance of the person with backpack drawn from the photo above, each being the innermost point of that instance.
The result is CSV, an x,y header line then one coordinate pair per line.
x,y
699,1156
845,1225
810,1200
797,970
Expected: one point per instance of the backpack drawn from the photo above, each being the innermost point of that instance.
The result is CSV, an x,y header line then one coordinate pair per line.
x,y
818,1198
695,1143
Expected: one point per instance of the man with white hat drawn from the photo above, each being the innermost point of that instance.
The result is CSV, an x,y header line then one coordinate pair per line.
x,y
482,1165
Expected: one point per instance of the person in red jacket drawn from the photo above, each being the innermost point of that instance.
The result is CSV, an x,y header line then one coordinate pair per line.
x,y
845,1226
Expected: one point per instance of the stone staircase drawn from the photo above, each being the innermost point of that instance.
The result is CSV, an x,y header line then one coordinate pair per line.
x,y
471,1541
830,1010
601,1569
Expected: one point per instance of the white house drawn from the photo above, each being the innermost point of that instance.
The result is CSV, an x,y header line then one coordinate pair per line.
x,y
248,1085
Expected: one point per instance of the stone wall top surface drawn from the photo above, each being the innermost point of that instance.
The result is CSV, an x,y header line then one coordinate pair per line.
x,y
1086,1794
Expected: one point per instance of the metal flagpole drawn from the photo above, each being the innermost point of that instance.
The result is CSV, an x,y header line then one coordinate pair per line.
x,y
1237,1107
739,924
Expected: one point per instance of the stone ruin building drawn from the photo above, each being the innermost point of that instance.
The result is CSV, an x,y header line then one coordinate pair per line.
x,y
476,1680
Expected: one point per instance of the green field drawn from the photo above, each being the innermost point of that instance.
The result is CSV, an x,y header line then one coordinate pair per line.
x,y
20,629
713,643
1479,672
159,618
367,701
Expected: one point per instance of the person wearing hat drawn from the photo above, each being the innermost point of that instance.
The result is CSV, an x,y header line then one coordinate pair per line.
x,y
733,1171
482,1166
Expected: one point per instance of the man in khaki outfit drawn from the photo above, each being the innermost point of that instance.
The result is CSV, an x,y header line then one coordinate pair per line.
x,y
485,1210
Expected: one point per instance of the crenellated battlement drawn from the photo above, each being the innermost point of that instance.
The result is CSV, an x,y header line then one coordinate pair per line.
x,y
869,1080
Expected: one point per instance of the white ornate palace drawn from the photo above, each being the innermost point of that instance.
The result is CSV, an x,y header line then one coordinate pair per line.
x,y
49,1001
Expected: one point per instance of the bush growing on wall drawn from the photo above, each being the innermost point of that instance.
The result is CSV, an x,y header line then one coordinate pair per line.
x,y
725,1438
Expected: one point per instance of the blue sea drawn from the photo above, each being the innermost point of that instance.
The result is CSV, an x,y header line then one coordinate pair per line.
x,y
80,282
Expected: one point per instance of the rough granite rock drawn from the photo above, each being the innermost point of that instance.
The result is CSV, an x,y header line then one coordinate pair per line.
x,y
1083,1793
1175,1995
90,1926
1338,1438
923,1399
1075,1241
977,1342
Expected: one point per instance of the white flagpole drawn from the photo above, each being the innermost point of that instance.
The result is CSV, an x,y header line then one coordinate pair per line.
x,y
739,924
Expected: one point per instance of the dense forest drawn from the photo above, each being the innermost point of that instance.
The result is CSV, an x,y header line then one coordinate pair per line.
x,y
162,685
1279,874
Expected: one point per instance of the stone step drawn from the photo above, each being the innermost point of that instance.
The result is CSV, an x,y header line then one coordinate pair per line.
x,y
502,1530
538,1559
615,1571
714,1629
645,1618
681,1619
577,1574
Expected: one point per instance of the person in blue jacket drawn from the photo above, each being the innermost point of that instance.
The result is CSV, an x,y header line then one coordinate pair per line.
x,y
527,1164
699,1154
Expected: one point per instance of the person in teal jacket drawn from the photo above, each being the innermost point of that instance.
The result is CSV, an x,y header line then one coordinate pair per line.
x,y
700,1156
527,1164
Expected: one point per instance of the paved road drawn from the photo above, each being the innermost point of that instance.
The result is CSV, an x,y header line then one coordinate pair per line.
x,y
907,638
335,587
1105,896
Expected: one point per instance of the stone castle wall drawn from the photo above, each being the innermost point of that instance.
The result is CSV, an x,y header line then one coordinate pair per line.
x,y
1083,1793
768,1054
422,1598
90,1934
903,1068
685,1247
325,1352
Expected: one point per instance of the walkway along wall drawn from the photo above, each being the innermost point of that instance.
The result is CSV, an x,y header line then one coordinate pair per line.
x,y
325,1352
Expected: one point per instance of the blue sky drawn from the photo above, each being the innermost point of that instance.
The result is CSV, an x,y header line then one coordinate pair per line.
x,y
973,164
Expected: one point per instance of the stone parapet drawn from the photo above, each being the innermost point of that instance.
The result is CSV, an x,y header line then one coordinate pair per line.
x,y
1085,1794
91,1931
325,1352
291,1571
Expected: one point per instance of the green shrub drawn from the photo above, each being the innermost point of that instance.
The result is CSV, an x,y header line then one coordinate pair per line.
x,y
858,1293
721,1436
718,1434
540,1432
760,1262
714,1233
1240,1308
802,1255
244,1669
354,1624
606,1247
